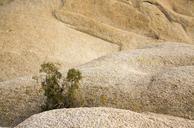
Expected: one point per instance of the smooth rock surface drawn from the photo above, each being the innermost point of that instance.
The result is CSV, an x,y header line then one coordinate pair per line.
x,y
30,35
37,30
156,79
19,99
149,74
102,118
131,23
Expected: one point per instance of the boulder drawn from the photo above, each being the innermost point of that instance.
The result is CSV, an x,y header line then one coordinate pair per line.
x,y
155,79
19,99
102,118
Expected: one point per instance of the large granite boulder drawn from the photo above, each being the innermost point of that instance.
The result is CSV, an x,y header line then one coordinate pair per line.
x,y
102,118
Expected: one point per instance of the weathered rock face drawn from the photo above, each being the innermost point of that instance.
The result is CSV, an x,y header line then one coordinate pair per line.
x,y
157,76
103,118
131,22
36,31
172,91
19,99
156,79
30,35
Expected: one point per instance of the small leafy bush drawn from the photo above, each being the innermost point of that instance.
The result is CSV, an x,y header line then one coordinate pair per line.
x,y
61,92
53,90
74,95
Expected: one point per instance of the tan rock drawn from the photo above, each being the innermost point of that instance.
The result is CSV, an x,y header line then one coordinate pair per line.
x,y
37,31
102,118
19,99
30,34
156,79
172,91
136,80
116,20
3,2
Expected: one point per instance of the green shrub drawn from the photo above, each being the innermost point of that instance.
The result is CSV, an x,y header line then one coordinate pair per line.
x,y
74,95
54,88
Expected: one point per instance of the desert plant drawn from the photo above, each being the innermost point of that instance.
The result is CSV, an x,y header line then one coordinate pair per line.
x,y
54,88
74,95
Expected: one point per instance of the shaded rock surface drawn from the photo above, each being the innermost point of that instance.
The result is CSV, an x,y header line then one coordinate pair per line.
x,y
103,118
19,99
